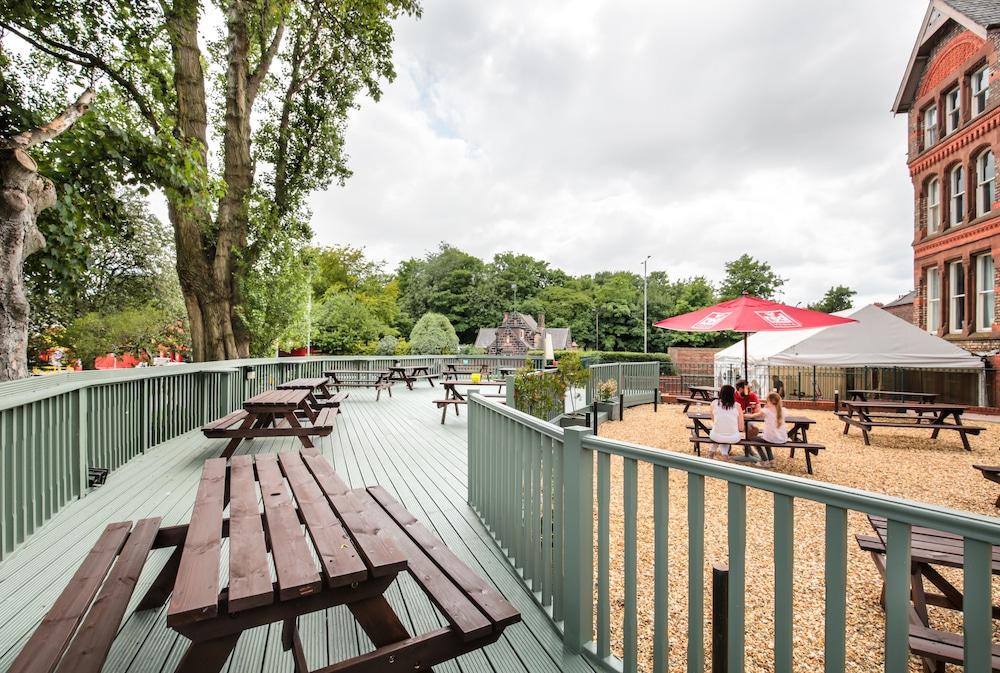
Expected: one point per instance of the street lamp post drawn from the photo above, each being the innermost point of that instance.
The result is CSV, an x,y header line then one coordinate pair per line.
x,y
597,328
645,306
514,287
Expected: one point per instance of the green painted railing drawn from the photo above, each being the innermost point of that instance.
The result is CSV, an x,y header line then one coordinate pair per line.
x,y
537,488
636,380
53,428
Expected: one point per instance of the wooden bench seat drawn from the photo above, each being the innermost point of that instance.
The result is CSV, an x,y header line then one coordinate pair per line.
x,y
443,405
991,473
688,401
941,647
865,426
75,635
226,421
757,443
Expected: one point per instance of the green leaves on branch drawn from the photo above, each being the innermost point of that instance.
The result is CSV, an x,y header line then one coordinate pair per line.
x,y
433,335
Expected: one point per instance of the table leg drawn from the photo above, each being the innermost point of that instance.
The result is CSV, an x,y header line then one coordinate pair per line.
x,y
235,441
377,618
917,593
207,656
294,422
163,585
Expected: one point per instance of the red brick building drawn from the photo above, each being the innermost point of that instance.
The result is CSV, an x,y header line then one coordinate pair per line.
x,y
951,94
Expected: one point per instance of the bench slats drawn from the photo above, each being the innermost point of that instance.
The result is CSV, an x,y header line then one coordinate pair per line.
x,y
47,643
374,542
495,606
337,555
944,646
297,575
456,607
226,421
196,590
249,570
93,640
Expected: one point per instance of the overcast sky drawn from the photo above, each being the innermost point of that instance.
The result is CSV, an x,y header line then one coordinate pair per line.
x,y
592,134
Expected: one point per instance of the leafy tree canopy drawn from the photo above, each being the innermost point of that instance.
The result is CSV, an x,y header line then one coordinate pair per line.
x,y
746,275
837,298
433,335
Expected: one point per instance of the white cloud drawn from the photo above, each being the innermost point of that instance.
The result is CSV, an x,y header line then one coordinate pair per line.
x,y
593,133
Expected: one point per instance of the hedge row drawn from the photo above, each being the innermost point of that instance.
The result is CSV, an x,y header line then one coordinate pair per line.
x,y
604,357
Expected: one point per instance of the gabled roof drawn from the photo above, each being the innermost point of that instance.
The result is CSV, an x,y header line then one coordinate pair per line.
x,y
975,15
528,320
903,300
560,337
485,337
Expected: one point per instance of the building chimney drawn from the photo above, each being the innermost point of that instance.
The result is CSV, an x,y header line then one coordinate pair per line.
x,y
506,317
541,323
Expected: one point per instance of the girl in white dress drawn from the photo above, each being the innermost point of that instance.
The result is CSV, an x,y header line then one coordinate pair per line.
x,y
727,419
775,431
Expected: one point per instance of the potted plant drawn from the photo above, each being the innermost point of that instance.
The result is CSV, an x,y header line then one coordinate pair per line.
x,y
605,395
575,376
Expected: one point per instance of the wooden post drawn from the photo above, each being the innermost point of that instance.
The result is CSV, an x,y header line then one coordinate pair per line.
x,y
621,406
656,400
509,390
836,401
578,532
593,411
82,439
720,618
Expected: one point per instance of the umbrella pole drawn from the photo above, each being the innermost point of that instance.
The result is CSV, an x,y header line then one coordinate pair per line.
x,y
746,358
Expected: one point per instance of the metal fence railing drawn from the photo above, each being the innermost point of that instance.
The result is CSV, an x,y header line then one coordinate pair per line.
x,y
539,489
821,383
636,380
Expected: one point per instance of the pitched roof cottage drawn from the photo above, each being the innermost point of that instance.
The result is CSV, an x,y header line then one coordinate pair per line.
x,y
519,333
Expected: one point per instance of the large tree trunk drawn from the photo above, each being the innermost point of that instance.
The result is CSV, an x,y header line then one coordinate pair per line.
x,y
23,194
206,267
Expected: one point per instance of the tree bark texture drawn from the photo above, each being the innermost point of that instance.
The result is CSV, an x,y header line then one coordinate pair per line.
x,y
23,194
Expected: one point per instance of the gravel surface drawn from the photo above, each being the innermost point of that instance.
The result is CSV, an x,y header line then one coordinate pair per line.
x,y
900,462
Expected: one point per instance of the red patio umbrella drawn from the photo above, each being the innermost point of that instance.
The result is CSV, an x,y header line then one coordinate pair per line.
x,y
750,314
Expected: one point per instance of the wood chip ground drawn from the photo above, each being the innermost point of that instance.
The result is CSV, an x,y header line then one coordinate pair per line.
x,y
900,462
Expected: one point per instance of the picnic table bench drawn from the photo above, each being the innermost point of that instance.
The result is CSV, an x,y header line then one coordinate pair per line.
x,y
905,414
274,413
798,437
360,378
454,398
700,395
328,545
929,548
410,375
453,371
991,473
903,395
320,391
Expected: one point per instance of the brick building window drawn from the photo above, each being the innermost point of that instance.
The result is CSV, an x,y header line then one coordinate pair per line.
x,y
956,297
952,110
957,186
980,90
933,299
984,293
933,205
986,175
930,126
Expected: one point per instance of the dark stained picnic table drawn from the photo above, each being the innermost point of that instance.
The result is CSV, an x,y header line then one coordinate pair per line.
x,y
453,397
318,388
410,374
273,413
797,432
354,543
708,393
934,416
360,378
453,371
865,395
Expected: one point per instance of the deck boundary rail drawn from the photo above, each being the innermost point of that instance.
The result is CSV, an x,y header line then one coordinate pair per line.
x,y
53,428
537,488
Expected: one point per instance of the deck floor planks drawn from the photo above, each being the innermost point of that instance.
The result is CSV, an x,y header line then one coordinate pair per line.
x,y
398,443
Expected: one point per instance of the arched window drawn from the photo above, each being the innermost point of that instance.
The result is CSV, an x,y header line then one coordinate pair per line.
x,y
957,186
986,176
933,205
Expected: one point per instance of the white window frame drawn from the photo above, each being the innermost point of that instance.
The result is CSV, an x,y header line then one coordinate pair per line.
x,y
933,299
980,85
956,296
930,126
952,110
933,205
985,302
956,184
985,182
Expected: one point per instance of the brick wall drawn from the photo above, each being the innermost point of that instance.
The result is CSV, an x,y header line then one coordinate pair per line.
x,y
904,312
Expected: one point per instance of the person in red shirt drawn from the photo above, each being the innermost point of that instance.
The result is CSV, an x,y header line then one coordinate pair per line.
x,y
745,397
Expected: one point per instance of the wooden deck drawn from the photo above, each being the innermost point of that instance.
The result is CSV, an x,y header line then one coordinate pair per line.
x,y
398,443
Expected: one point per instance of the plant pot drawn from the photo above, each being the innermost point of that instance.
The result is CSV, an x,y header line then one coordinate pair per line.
x,y
609,408
569,420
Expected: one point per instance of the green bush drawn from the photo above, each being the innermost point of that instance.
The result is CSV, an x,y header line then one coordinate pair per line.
x,y
604,357
95,334
387,345
402,347
433,335
345,326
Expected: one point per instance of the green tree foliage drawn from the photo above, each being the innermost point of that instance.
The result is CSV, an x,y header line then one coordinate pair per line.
x,y
433,335
276,299
669,298
837,298
343,325
130,330
746,275
446,281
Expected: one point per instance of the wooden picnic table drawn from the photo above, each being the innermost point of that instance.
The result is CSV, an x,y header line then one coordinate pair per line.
x,y
929,548
318,388
708,393
453,371
410,374
453,397
797,432
865,395
798,436
360,378
935,416
354,543
273,413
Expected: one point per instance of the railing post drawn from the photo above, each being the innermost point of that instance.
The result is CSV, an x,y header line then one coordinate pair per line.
x,y
144,414
82,439
509,391
720,618
578,552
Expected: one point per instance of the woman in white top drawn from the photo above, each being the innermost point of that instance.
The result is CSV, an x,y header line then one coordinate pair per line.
x,y
775,431
727,419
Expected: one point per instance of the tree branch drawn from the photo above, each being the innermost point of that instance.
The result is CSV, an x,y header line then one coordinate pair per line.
x,y
87,60
46,132
266,57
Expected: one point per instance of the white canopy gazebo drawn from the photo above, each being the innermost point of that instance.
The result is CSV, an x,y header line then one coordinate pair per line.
x,y
877,339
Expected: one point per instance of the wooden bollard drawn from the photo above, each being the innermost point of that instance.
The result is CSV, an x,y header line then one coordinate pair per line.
x,y
720,618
